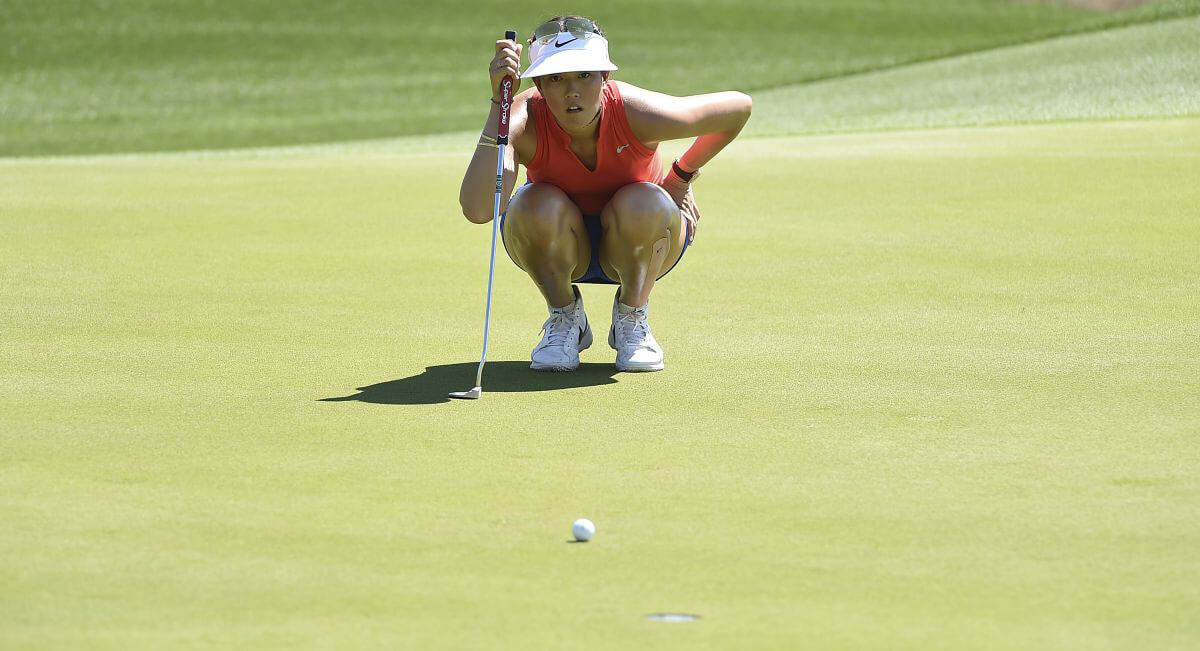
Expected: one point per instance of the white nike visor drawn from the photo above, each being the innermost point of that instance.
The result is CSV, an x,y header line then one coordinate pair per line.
x,y
568,53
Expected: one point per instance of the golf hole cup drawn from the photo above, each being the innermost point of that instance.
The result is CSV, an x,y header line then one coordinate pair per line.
x,y
583,530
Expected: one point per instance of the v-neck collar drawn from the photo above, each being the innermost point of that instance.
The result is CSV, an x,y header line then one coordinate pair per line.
x,y
578,159
599,134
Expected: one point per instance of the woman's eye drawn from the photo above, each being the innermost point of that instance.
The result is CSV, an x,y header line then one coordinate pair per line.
x,y
584,75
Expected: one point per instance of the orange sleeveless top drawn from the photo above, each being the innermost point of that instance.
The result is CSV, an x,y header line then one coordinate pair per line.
x,y
621,158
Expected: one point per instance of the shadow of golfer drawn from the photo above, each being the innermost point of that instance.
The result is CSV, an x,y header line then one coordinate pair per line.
x,y
434,385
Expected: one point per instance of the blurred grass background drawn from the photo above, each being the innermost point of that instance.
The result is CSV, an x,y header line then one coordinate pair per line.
x,y
80,77
1137,71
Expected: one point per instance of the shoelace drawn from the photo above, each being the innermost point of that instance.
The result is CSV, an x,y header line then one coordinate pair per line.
x,y
634,326
558,327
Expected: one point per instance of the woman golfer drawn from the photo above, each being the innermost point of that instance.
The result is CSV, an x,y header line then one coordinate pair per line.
x,y
598,207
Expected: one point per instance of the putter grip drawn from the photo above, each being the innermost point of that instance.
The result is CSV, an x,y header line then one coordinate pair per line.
x,y
506,86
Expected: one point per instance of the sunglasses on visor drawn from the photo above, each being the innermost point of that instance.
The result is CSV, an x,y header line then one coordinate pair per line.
x,y
578,27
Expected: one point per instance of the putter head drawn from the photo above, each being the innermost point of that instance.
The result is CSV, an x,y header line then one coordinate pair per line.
x,y
472,394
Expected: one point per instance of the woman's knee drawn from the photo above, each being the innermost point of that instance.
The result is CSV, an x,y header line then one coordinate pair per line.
x,y
540,212
639,211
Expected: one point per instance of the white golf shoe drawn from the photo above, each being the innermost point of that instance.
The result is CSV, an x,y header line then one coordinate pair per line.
x,y
630,336
564,334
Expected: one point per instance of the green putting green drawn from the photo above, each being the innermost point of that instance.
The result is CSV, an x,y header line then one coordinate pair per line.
x,y
922,387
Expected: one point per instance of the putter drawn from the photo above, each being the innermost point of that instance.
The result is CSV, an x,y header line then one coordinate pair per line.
x,y
506,85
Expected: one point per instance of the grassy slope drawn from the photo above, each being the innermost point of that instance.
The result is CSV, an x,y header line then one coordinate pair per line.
x,y
145,75
1145,70
963,408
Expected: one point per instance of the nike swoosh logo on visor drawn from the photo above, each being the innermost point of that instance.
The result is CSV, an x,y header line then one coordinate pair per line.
x,y
557,44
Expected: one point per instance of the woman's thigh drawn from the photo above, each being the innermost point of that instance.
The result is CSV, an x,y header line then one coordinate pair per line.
x,y
648,197
537,214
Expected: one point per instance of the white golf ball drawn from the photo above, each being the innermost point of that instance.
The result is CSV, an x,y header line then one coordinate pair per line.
x,y
583,529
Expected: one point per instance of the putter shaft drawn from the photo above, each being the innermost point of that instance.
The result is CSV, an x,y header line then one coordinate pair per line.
x,y
506,86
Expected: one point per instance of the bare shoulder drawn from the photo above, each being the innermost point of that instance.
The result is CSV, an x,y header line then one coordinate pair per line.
x,y
642,109
635,98
522,129
655,117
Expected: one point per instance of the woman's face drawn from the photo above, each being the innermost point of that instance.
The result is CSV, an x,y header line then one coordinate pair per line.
x,y
573,97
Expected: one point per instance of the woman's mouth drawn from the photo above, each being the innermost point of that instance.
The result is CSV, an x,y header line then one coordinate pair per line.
x,y
574,109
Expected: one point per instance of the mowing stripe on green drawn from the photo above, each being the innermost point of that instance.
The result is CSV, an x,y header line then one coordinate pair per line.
x,y
1132,72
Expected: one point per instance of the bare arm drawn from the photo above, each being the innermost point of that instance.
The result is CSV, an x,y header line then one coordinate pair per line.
x,y
477,193
714,120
